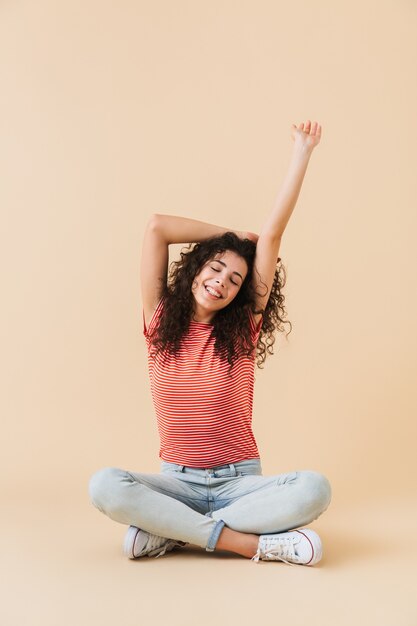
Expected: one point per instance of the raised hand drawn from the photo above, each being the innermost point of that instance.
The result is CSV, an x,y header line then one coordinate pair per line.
x,y
307,135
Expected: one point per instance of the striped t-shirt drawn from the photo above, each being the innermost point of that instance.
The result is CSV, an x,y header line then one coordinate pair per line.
x,y
204,416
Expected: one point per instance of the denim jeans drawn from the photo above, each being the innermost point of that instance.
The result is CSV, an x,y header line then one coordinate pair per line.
x,y
194,504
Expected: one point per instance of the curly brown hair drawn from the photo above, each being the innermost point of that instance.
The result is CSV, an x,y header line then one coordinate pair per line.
x,y
230,324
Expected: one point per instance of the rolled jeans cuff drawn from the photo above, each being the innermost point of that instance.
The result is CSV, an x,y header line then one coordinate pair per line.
x,y
211,544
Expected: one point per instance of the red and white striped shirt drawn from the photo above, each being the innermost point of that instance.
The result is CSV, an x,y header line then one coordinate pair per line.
x,y
204,417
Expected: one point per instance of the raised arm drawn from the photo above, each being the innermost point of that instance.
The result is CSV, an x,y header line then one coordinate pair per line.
x,y
306,137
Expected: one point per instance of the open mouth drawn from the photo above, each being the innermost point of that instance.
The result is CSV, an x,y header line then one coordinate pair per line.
x,y
212,292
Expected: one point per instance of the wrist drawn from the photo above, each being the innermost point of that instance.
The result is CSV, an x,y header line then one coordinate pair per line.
x,y
302,150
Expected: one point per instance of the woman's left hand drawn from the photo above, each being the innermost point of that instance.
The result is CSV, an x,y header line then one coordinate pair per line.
x,y
306,135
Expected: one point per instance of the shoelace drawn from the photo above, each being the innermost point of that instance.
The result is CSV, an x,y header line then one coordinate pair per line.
x,y
156,546
277,549
156,549
161,550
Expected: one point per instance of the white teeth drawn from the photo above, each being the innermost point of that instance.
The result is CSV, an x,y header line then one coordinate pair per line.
x,y
213,293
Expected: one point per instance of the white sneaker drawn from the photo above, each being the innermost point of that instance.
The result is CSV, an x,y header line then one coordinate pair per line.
x,y
301,547
141,543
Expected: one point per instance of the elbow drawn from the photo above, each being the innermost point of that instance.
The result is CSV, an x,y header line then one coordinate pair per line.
x,y
157,226
154,221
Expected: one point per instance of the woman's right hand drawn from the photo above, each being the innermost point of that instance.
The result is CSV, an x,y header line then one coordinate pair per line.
x,y
252,236
243,234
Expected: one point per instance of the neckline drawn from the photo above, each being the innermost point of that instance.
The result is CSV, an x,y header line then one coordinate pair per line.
x,y
201,323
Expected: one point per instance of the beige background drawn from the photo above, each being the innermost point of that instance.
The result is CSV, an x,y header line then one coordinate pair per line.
x,y
112,111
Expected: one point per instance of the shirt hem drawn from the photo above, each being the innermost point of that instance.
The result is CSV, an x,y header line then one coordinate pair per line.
x,y
208,464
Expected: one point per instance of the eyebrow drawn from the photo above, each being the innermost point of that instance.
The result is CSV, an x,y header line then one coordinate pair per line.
x,y
222,262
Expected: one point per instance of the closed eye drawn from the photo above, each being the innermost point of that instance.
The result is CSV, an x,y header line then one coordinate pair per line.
x,y
232,281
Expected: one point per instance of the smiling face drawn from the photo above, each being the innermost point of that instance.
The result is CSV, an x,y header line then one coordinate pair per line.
x,y
217,284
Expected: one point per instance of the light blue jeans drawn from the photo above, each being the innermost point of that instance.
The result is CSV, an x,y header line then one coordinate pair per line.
x,y
193,505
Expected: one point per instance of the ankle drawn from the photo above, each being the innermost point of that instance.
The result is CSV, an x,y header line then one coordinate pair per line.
x,y
245,544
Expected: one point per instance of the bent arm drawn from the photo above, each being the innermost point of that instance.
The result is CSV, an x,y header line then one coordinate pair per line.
x,y
175,229
161,231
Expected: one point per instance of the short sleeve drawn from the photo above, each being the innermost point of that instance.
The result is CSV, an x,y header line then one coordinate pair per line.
x,y
154,319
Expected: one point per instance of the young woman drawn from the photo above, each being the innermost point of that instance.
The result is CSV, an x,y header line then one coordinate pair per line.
x,y
204,325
